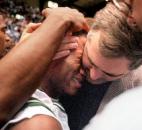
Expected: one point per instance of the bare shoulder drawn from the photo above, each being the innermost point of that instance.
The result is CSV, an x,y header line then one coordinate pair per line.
x,y
38,122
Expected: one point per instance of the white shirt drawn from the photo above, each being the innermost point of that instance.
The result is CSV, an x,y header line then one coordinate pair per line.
x,y
49,107
122,113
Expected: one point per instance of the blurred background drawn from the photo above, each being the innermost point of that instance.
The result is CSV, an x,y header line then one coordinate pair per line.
x,y
16,14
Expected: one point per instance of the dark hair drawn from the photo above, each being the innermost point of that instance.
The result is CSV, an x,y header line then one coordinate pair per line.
x,y
123,39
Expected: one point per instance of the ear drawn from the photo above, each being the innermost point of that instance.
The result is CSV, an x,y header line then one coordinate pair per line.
x,y
131,21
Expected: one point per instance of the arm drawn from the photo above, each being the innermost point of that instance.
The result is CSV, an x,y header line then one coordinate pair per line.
x,y
24,66
40,122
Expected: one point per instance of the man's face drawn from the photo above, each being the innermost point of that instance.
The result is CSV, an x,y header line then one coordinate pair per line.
x,y
2,34
64,75
7,42
98,68
2,41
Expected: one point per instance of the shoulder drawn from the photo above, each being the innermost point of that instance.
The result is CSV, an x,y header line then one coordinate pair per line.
x,y
38,122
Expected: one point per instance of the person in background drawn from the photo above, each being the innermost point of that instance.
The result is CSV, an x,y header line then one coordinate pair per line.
x,y
7,43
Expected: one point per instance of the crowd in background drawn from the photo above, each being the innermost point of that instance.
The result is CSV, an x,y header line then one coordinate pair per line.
x,y
15,16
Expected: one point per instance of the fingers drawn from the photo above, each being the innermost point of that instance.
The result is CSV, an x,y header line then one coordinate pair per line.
x,y
32,27
68,43
80,23
46,12
68,46
85,26
61,54
72,16
70,39
28,30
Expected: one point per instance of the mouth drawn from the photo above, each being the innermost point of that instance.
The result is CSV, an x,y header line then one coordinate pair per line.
x,y
77,80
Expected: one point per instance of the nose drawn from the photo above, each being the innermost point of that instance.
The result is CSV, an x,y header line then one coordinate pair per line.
x,y
95,74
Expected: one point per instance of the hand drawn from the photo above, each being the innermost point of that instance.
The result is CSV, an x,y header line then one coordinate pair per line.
x,y
28,30
64,50
74,17
69,43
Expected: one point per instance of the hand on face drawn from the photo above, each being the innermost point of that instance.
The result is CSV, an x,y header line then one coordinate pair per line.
x,y
64,74
71,45
68,44
74,76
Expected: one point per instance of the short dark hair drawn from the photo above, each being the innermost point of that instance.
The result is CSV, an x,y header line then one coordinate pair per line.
x,y
123,39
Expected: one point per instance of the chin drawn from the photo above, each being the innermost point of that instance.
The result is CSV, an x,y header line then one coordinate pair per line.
x,y
71,92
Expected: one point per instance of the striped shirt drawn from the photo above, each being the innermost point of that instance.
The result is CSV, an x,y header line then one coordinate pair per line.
x,y
41,103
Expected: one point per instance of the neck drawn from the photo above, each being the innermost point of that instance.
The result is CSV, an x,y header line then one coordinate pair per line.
x,y
50,91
